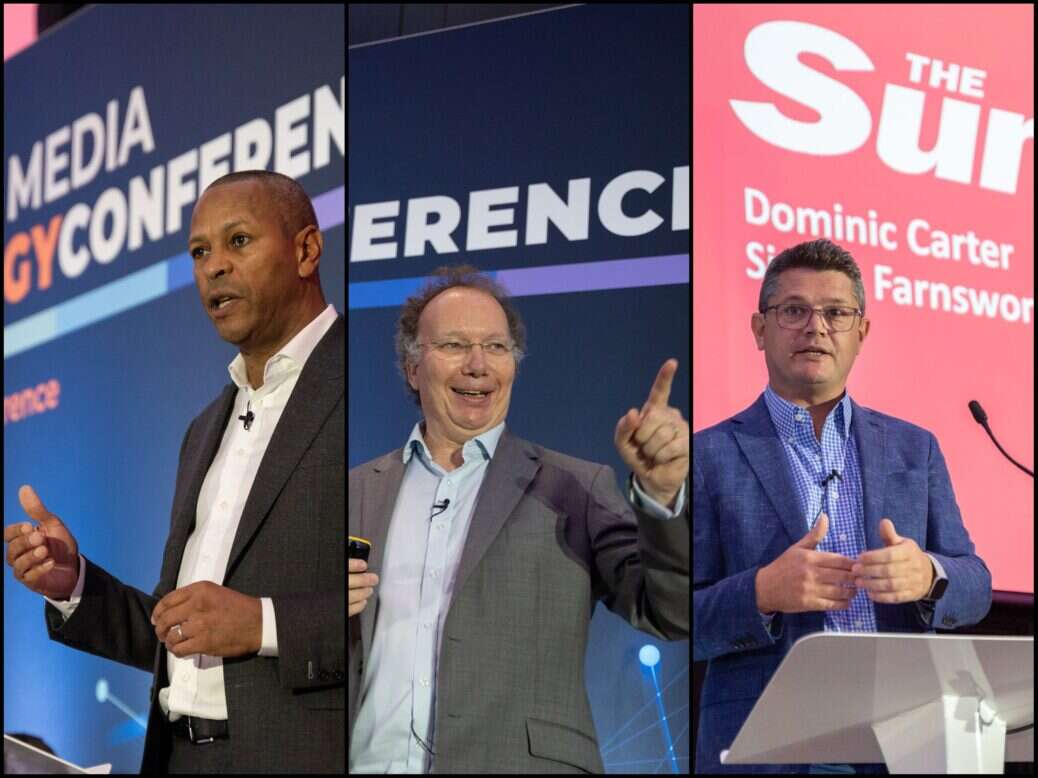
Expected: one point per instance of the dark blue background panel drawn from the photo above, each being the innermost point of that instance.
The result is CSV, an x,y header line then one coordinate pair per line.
x,y
550,150
180,94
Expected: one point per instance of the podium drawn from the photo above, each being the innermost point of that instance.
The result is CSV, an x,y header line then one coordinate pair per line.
x,y
921,703
22,758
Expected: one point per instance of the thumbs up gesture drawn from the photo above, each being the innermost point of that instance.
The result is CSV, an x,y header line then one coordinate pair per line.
x,y
46,557
898,572
653,442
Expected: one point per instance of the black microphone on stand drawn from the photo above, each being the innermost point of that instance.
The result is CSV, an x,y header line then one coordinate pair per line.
x,y
982,419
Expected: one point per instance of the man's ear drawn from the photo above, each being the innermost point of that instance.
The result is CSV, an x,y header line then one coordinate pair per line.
x,y
863,330
757,328
309,246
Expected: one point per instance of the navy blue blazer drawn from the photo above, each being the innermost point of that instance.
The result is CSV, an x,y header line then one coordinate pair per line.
x,y
745,513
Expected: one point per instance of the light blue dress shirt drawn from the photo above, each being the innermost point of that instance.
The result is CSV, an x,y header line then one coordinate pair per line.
x,y
394,731
810,461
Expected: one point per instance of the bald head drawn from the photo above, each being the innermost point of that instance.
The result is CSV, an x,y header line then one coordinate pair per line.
x,y
257,275
287,199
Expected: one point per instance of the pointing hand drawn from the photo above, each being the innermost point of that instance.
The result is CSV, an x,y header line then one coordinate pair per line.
x,y
653,442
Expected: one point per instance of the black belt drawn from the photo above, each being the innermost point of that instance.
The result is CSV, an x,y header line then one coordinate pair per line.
x,y
200,731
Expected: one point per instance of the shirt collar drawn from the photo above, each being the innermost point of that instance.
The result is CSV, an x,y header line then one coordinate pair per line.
x,y
482,446
291,356
784,414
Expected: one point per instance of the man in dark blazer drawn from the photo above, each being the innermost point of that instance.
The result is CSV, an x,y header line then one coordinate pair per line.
x,y
245,630
491,553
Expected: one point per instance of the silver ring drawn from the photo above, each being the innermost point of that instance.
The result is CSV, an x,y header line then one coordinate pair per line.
x,y
180,632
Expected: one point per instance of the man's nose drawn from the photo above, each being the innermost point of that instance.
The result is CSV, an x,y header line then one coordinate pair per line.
x,y
215,264
476,360
816,322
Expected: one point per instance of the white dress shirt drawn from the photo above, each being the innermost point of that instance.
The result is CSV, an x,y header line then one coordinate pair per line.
x,y
196,682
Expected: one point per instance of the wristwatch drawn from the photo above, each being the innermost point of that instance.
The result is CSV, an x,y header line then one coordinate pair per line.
x,y
938,587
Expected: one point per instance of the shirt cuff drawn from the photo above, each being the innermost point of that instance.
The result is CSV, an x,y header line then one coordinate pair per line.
x,y
270,629
653,508
68,607
938,570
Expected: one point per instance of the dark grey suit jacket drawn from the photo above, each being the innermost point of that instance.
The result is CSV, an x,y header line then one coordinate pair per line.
x,y
551,535
285,713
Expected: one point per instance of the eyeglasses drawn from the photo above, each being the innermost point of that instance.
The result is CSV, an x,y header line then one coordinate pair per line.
x,y
453,349
792,316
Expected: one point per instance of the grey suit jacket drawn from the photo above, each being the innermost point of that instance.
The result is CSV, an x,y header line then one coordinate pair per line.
x,y
555,526
285,713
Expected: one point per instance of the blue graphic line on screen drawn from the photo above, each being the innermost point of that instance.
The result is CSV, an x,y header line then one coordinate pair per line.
x,y
179,272
88,308
379,294
547,279
664,722
330,208
30,332
104,694
135,289
125,731
649,659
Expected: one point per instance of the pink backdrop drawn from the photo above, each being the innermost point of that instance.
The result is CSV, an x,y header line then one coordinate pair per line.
x,y
19,27
919,121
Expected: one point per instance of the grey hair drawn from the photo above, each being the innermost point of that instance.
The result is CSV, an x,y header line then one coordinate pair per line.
x,y
408,350
815,255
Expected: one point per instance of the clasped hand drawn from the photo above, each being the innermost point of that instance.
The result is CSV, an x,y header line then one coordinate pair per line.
x,y
899,572
213,620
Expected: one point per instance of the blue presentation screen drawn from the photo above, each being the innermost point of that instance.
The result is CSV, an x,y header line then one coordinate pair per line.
x,y
113,124
552,151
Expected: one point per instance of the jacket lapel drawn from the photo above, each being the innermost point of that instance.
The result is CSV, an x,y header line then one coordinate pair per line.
x,y
871,441
511,471
509,474
314,397
318,390
756,436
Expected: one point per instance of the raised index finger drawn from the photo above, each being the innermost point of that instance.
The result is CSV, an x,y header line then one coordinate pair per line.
x,y
659,395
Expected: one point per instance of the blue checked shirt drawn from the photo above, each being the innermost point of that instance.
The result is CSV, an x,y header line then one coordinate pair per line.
x,y
811,461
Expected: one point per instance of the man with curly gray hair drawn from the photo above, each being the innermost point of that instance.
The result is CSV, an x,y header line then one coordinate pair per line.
x,y
489,550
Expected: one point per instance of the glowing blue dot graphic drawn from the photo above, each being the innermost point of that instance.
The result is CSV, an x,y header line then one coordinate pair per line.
x,y
649,656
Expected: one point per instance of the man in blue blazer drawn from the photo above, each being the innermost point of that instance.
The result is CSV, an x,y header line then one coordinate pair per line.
x,y
811,512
